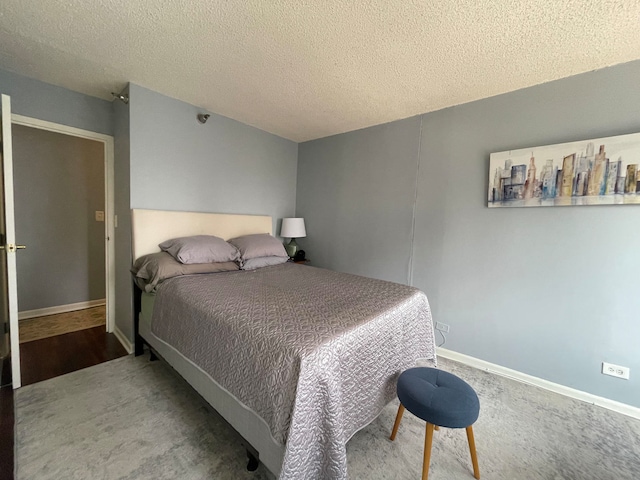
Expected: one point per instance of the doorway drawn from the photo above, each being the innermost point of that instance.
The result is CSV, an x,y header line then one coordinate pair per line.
x,y
58,183
63,189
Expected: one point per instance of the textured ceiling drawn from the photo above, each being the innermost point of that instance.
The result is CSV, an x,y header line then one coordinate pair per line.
x,y
308,69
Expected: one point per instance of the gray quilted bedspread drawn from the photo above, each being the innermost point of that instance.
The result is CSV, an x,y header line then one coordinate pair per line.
x,y
315,353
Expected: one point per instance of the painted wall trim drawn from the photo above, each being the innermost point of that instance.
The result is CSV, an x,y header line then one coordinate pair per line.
x,y
123,340
619,407
71,307
109,175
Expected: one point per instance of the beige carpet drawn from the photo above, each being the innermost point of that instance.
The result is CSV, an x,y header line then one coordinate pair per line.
x,y
60,323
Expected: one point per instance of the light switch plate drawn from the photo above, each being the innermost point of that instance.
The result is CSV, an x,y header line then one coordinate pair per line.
x,y
99,216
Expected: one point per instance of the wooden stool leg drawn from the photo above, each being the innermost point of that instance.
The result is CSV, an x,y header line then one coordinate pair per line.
x,y
472,449
428,439
397,424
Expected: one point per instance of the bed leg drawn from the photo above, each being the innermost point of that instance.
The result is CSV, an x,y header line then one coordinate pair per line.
x,y
253,462
138,346
152,355
138,342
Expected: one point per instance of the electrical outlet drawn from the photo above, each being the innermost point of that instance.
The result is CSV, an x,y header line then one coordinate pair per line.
x,y
443,327
615,370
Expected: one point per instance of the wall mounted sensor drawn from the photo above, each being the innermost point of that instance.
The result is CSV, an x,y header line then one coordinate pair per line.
x,y
203,117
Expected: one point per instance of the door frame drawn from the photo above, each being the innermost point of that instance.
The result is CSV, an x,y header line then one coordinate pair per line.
x,y
109,214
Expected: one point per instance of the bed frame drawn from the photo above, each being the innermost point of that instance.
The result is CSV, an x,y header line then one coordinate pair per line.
x,y
152,227
149,228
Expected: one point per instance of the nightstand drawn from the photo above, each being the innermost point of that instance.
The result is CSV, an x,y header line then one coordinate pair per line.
x,y
301,262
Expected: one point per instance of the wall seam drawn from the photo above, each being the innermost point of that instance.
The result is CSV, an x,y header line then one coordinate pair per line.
x,y
295,192
415,203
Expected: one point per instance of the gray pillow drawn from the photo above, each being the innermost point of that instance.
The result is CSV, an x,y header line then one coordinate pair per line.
x,y
150,270
200,249
260,262
258,245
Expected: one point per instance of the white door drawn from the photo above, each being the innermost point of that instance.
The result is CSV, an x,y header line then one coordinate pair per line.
x,y
8,248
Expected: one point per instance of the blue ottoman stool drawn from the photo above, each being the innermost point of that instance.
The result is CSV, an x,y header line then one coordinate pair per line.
x,y
442,400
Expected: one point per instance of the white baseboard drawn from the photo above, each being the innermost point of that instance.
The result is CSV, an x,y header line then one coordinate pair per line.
x,y
619,407
72,307
123,339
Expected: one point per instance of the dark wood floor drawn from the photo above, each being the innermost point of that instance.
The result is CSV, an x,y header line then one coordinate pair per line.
x,y
6,432
55,356
48,358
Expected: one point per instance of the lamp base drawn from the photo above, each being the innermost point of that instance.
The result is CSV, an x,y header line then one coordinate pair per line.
x,y
291,248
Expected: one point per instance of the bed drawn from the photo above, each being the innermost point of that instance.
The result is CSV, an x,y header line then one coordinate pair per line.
x,y
295,358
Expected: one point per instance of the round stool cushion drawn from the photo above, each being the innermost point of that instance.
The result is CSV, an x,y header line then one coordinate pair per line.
x,y
438,397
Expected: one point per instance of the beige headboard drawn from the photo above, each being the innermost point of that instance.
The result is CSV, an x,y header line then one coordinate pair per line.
x,y
151,227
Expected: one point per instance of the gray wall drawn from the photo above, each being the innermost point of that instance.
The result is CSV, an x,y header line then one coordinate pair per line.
x,y
59,184
222,166
356,192
122,167
44,101
166,160
551,292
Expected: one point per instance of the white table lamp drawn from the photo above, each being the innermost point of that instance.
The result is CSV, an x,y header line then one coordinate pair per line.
x,y
292,228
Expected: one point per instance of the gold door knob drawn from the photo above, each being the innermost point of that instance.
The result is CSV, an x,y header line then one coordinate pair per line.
x,y
12,248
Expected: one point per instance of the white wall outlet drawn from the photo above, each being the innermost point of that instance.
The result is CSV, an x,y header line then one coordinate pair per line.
x,y
99,216
615,370
443,327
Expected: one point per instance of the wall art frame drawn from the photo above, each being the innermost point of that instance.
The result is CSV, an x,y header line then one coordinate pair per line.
x,y
599,171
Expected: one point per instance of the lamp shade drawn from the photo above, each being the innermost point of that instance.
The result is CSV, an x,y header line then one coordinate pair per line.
x,y
293,228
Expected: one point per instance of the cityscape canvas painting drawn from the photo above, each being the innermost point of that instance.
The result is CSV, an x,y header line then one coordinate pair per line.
x,y
602,171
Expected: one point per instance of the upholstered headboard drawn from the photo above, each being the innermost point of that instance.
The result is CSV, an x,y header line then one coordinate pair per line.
x,y
151,227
